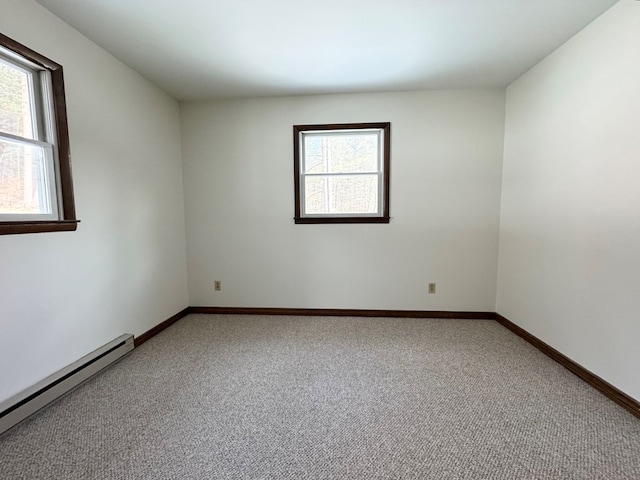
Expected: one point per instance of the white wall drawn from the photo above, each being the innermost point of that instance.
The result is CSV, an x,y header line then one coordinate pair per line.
x,y
64,294
445,194
569,266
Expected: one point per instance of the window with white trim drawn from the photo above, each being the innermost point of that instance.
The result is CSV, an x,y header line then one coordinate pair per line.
x,y
36,193
342,173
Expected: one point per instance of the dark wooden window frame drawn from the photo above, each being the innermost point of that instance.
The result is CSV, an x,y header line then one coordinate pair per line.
x,y
386,171
67,213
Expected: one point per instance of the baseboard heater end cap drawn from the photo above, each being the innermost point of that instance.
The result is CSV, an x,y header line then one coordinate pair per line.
x,y
24,404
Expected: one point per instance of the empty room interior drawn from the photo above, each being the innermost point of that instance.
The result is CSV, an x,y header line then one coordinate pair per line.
x,y
187,305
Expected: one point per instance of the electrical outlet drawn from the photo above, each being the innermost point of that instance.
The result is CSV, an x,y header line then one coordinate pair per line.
x,y
217,285
432,288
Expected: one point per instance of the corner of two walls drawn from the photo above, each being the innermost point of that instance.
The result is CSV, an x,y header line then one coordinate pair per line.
x,y
567,267
445,199
125,269
65,294
569,262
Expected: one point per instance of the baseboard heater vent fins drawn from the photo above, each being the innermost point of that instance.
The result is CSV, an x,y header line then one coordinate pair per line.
x,y
26,403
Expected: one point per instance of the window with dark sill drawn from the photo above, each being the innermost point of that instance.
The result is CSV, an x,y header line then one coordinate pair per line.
x,y
341,172
36,190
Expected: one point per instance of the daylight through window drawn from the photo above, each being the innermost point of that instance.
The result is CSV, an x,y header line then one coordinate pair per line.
x,y
342,173
35,179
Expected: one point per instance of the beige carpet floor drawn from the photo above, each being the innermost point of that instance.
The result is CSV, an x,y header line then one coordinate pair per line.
x,y
245,397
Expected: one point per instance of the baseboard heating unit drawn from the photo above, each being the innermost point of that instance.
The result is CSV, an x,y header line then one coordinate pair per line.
x,y
20,406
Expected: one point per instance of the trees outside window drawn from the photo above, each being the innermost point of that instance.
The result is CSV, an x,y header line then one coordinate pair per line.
x,y
342,173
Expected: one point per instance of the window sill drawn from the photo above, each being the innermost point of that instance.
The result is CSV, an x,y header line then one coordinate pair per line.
x,y
317,220
12,228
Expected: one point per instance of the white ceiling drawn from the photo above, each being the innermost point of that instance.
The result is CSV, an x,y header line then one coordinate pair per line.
x,y
196,49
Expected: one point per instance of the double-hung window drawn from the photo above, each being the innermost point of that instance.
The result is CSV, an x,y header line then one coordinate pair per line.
x,y
36,193
342,173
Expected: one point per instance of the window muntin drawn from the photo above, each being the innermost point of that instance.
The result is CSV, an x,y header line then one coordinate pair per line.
x,y
36,193
342,173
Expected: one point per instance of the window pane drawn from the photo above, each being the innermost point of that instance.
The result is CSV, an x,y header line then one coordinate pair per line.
x,y
344,194
341,153
15,102
23,179
315,155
